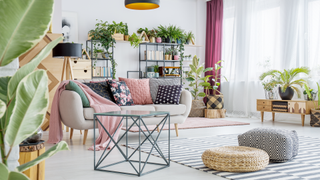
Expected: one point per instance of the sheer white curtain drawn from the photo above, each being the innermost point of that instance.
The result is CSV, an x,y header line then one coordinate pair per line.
x,y
259,35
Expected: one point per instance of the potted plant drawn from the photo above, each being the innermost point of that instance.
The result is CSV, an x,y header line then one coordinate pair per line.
x,y
164,34
167,54
134,40
24,97
189,37
174,33
315,112
306,96
196,84
152,35
156,71
269,89
175,54
117,30
287,80
126,33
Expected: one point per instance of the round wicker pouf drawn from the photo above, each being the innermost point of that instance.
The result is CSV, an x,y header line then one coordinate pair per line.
x,y
235,159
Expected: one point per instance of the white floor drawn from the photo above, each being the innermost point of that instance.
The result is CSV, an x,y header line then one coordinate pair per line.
x,y
77,164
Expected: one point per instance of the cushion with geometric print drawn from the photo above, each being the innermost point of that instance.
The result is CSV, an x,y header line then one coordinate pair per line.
x,y
168,94
215,102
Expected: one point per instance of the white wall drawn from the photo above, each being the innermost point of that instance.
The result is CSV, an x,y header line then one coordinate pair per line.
x,y
188,14
56,19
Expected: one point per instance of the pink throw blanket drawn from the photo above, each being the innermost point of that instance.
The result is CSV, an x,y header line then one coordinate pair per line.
x,y
99,104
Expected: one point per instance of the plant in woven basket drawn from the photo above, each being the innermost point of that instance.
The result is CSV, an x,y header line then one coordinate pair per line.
x,y
315,112
287,80
196,81
24,97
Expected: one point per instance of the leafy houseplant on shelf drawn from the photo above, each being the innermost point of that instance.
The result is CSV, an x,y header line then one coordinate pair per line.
x,y
156,71
312,93
269,89
24,97
152,35
126,33
134,40
175,33
189,37
163,33
117,30
101,36
287,80
175,54
196,84
315,112
167,54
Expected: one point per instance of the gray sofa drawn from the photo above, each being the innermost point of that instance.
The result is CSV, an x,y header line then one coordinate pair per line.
x,y
75,116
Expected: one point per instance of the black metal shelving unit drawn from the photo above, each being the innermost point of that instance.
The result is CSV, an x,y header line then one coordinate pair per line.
x,y
89,44
143,61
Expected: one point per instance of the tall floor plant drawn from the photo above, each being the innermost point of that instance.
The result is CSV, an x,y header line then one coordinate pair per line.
x,y
24,97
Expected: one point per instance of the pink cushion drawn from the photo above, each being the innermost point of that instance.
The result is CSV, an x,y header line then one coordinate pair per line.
x,y
140,90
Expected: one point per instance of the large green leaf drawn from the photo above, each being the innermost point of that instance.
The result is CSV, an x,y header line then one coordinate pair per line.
x,y
208,69
202,94
32,100
3,108
52,151
28,68
23,25
4,87
5,174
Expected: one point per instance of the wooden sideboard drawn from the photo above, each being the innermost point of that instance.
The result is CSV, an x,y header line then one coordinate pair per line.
x,y
300,107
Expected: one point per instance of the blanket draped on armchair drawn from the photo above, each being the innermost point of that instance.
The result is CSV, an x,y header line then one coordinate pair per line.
x,y
99,104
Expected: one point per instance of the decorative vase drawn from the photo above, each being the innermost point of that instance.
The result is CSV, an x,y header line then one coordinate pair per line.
x,y
287,95
159,40
152,39
126,37
156,75
197,108
315,118
272,94
176,57
166,57
215,101
313,96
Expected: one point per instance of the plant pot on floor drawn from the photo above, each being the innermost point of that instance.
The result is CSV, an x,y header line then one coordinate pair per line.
x,y
287,95
215,102
315,118
197,108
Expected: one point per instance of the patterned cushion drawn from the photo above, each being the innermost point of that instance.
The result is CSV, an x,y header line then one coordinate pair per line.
x,y
101,88
154,85
121,93
168,94
139,89
215,102
280,144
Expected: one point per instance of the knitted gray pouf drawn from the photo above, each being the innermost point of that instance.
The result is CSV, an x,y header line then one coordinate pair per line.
x,y
281,145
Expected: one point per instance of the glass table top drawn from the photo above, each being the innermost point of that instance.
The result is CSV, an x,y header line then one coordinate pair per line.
x,y
131,113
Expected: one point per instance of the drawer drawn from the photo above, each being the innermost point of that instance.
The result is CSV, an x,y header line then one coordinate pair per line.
x,y
81,64
264,108
82,73
264,102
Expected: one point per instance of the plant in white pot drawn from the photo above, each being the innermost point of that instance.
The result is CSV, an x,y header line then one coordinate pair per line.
x,y
24,97
287,80
315,112
196,84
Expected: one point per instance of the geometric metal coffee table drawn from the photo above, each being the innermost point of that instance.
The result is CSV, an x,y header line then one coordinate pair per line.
x,y
136,117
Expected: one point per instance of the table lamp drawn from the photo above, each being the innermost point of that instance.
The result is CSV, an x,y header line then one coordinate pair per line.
x,y
67,51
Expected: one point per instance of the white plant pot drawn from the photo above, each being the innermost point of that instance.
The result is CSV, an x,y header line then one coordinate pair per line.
x,y
13,158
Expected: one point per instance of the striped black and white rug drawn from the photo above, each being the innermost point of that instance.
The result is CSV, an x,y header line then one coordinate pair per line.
x,y
188,151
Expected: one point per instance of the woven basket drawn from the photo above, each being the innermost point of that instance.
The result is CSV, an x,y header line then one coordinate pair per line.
x,y
315,118
235,159
197,108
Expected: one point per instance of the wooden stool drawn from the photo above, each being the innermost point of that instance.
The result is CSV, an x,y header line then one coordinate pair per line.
x,y
29,153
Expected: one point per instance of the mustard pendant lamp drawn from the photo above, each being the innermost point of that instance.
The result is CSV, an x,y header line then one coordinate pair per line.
x,y
142,4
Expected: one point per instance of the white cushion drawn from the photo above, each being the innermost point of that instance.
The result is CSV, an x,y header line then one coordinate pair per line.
x,y
171,108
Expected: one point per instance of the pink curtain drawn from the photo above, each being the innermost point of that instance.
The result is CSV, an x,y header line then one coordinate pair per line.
x,y
213,34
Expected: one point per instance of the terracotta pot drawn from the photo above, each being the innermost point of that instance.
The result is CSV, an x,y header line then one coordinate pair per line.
x,y
176,57
126,37
159,40
152,39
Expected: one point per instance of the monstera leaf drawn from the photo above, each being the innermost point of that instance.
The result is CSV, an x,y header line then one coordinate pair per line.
x,y
23,25
32,100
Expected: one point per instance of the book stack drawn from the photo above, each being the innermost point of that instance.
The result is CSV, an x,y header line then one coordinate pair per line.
x,y
280,106
102,71
153,55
